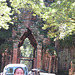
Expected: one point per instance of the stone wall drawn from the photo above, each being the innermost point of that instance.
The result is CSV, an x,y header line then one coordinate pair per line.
x,y
26,28
50,63
65,56
64,59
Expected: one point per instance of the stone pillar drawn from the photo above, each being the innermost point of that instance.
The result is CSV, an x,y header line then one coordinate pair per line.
x,y
14,55
56,70
50,62
54,62
39,56
15,51
71,69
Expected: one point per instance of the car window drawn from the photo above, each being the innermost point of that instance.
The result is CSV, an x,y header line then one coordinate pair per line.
x,y
10,70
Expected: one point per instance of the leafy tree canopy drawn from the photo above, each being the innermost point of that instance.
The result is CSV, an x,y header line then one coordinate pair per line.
x,y
59,17
4,14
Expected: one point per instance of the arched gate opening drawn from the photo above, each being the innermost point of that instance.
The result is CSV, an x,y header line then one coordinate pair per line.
x,y
27,50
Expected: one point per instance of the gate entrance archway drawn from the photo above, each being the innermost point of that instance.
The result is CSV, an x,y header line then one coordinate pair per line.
x,y
26,54
27,49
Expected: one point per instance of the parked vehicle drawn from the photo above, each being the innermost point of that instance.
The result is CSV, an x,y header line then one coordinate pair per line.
x,y
10,69
39,72
47,74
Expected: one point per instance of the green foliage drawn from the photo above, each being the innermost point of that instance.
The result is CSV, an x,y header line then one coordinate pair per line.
x,y
50,47
61,20
26,49
5,46
67,41
6,36
4,15
59,17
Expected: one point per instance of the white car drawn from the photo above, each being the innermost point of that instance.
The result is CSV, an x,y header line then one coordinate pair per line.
x,y
10,68
39,72
47,74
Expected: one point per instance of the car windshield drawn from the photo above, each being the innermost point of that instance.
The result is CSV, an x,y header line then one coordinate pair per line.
x,y
10,70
